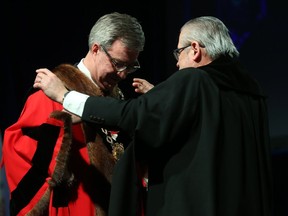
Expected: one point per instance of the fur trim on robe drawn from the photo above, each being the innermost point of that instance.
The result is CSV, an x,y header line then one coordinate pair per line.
x,y
101,158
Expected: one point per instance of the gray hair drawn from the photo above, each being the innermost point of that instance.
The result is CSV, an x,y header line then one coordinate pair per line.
x,y
117,26
211,33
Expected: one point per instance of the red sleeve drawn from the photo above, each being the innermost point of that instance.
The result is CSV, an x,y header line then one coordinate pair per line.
x,y
19,149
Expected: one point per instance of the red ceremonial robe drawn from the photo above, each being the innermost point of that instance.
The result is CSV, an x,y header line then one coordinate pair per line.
x,y
52,167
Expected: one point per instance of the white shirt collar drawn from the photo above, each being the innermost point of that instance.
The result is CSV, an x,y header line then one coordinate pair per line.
x,y
84,69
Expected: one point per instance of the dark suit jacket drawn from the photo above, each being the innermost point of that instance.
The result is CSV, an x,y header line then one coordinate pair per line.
x,y
203,134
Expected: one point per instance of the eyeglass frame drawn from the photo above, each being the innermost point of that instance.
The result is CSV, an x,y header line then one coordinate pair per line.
x,y
129,68
177,52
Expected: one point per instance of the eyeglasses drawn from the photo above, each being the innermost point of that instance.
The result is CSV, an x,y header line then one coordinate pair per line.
x,y
177,52
121,67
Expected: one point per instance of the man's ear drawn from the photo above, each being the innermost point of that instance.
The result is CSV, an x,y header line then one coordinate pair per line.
x,y
196,50
95,47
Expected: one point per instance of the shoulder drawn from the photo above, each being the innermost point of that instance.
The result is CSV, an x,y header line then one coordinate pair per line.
x,y
39,100
190,75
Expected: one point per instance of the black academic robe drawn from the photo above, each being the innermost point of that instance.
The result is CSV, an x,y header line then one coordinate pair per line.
x,y
203,134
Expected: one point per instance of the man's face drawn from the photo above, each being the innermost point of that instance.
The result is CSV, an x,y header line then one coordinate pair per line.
x,y
107,62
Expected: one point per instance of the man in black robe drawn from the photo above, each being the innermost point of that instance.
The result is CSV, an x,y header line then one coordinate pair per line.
x,y
202,135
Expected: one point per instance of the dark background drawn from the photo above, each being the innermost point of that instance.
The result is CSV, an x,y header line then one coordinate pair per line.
x,y
47,33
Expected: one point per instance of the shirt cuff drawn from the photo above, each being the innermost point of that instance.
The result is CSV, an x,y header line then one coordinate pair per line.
x,y
74,102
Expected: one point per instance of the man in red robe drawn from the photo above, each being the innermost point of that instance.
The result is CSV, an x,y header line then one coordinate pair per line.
x,y
55,167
